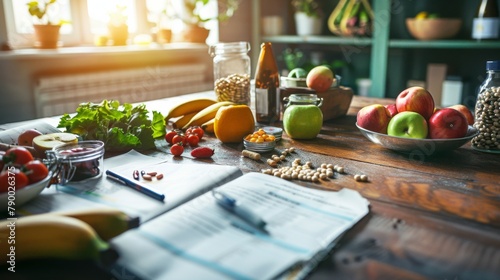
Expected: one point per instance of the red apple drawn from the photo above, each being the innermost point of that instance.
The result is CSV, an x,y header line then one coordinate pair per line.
x,y
392,109
416,99
447,123
320,78
374,117
26,137
464,110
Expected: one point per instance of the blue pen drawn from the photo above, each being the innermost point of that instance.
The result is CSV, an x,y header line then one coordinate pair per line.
x,y
134,185
230,204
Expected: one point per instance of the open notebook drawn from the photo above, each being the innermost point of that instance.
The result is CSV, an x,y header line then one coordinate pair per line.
x,y
200,240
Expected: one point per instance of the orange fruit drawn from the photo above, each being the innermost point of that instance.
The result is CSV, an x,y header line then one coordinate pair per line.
x,y
232,123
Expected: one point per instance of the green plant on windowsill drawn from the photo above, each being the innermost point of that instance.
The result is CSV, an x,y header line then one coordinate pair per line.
x,y
41,11
46,30
194,8
310,7
190,12
117,25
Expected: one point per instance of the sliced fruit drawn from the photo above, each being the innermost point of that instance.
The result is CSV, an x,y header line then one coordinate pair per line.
x,y
46,142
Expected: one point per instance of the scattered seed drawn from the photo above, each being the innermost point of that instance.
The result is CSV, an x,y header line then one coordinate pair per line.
x,y
251,155
159,176
147,177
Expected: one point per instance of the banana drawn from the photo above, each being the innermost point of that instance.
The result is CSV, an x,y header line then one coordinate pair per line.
x,y
182,121
52,236
208,126
206,114
107,222
186,107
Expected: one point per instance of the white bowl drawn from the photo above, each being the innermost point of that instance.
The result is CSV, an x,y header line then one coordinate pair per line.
x,y
23,195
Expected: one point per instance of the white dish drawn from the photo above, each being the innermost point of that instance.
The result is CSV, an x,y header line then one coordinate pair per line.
x,y
23,195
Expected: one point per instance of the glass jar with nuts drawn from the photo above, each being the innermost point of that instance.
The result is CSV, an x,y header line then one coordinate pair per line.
x,y
231,72
487,111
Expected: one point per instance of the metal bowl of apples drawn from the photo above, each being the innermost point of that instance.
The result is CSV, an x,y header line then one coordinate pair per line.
x,y
418,146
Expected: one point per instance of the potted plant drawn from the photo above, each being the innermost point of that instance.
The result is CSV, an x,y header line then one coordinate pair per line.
x,y
190,12
308,17
117,26
46,31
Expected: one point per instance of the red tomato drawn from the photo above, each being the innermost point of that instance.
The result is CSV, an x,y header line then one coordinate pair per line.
x,y
36,171
177,149
18,155
197,130
179,139
193,140
202,152
169,136
12,178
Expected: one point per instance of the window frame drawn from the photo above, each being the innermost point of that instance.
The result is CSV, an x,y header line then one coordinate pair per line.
x,y
81,34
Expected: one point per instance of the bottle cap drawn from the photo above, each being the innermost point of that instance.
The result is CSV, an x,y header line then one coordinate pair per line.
x,y
493,65
276,131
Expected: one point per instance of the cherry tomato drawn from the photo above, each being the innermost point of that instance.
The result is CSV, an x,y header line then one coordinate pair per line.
x,y
179,139
36,171
198,131
177,149
12,178
17,155
169,136
193,140
202,152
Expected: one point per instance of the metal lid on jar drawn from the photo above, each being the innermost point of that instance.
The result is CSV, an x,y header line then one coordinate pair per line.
x,y
493,65
272,130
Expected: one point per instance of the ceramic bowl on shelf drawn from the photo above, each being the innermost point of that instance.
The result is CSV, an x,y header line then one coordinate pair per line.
x,y
289,82
433,28
25,194
421,146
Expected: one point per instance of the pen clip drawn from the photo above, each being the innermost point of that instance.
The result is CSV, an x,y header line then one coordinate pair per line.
x,y
222,198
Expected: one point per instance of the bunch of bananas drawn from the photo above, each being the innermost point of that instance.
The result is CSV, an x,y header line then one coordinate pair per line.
x,y
195,112
352,18
72,235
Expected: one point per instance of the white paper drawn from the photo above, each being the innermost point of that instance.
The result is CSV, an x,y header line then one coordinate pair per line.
x,y
203,239
181,183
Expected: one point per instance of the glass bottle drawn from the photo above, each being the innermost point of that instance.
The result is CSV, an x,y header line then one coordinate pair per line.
x,y
231,71
487,111
267,82
486,21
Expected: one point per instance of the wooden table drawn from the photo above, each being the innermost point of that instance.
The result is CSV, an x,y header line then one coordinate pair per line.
x,y
435,217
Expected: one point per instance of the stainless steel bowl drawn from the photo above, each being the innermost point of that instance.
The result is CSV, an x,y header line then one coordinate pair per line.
x,y
259,147
412,145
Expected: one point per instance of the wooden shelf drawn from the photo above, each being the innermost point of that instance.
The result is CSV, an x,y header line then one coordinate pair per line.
x,y
444,44
326,40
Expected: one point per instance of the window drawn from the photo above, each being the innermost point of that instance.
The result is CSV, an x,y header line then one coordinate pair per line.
x,y
87,19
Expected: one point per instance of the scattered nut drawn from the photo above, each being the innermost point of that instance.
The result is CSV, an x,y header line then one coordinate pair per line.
x,y
250,154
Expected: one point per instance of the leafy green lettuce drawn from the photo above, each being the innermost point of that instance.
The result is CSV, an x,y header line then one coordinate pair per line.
x,y
120,127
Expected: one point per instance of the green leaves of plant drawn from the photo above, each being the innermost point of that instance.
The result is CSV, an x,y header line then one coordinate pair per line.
x,y
119,126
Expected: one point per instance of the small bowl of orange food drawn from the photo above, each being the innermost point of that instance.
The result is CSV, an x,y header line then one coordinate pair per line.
x,y
259,141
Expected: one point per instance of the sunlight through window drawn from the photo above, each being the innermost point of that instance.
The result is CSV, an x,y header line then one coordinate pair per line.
x,y
101,12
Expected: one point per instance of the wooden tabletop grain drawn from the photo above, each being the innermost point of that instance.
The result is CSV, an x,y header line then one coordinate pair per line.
x,y
431,217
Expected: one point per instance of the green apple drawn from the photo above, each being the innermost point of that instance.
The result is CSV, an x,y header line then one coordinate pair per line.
x,y
297,73
409,125
302,121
